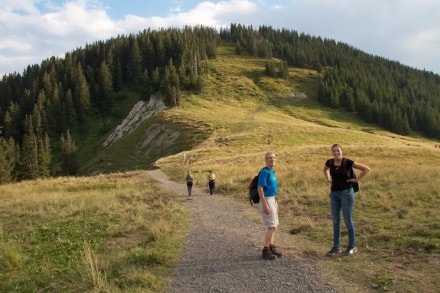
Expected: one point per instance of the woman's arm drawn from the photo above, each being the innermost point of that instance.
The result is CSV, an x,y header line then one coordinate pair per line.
x,y
364,170
327,174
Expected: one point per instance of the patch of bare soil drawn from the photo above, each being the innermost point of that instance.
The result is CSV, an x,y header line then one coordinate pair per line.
x,y
222,251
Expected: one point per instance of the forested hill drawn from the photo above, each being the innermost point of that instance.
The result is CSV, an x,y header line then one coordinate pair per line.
x,y
399,98
43,109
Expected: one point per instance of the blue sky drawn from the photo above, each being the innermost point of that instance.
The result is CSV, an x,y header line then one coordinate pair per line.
x,y
407,31
147,8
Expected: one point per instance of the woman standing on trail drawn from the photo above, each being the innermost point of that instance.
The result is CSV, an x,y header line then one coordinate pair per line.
x,y
336,172
211,182
189,182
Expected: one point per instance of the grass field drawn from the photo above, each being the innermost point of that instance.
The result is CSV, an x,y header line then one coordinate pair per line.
x,y
396,212
89,233
107,233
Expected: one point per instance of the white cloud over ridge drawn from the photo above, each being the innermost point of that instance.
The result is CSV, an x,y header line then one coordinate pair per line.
x,y
407,31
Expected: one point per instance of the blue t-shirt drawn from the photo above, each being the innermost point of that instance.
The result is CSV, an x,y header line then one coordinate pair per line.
x,y
268,180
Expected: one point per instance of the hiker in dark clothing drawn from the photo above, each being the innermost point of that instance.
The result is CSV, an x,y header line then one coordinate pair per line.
x,y
211,182
342,197
189,182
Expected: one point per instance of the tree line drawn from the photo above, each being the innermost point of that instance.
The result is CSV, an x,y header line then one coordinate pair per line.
x,y
42,109
45,107
398,98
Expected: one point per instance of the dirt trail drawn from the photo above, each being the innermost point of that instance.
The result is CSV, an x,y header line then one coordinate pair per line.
x,y
222,253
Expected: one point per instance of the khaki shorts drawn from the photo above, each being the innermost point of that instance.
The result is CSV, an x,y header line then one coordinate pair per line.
x,y
270,220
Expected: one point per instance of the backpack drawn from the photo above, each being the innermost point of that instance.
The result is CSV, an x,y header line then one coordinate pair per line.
x,y
351,175
253,196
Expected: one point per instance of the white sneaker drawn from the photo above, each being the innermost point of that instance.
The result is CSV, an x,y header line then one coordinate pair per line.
x,y
350,251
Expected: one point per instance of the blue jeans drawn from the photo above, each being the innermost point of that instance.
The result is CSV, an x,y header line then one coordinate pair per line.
x,y
342,200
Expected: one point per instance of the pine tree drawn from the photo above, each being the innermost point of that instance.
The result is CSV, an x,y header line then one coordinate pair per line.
x,y
7,160
283,71
106,88
28,160
81,94
28,165
69,110
69,160
134,67
147,86
117,75
170,85
156,80
44,157
12,122
5,172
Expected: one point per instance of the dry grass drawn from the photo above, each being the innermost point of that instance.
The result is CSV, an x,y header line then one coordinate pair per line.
x,y
396,211
120,233
107,233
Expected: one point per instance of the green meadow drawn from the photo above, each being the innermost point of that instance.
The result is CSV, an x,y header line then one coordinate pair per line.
x,y
396,212
105,233
111,233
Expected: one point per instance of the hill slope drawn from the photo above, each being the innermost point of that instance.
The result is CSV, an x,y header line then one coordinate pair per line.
x,y
240,107
241,114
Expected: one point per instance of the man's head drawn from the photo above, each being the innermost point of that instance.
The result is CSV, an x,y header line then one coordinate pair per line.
x,y
270,159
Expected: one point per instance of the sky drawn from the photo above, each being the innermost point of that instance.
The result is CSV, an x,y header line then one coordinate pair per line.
x,y
407,31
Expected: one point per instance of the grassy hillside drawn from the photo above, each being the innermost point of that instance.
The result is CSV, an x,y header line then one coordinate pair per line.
x,y
107,233
396,212
240,115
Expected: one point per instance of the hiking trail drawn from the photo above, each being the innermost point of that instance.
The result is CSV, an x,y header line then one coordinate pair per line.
x,y
223,249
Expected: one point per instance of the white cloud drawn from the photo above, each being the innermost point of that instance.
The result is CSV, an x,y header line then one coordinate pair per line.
x,y
276,7
30,36
14,44
212,14
74,19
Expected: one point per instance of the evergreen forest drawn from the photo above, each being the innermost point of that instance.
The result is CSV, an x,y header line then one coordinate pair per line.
x,y
46,106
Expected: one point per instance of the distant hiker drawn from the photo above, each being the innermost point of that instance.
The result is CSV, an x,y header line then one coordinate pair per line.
x,y
342,197
189,181
267,190
211,182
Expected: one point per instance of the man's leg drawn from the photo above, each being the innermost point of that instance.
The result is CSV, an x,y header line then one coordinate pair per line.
x,y
270,236
268,240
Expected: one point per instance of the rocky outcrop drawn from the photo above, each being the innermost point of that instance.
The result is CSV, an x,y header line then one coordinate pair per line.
x,y
140,112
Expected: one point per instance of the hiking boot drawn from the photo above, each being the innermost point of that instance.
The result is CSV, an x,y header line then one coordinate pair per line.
x,y
274,251
333,251
267,255
350,251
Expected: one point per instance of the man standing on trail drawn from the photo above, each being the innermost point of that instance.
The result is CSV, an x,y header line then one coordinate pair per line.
x,y
267,190
211,182
189,182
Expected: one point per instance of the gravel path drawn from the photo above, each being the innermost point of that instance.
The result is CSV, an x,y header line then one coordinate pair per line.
x,y
223,250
